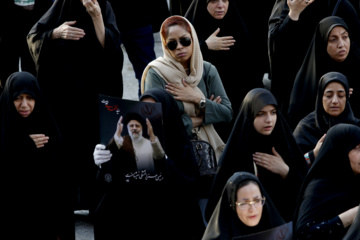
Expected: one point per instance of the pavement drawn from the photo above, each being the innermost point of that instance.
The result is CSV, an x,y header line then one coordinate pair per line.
x,y
83,225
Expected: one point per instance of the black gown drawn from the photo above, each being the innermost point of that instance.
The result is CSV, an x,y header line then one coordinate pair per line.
x,y
224,223
330,187
72,74
35,182
245,140
317,63
167,209
235,66
312,127
288,41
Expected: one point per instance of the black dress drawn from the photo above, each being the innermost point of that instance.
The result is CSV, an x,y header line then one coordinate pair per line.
x,y
288,40
317,63
330,188
72,74
35,182
154,210
245,140
235,66
224,223
312,127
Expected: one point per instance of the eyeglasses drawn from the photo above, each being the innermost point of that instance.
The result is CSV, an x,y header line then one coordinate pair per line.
x,y
185,41
246,205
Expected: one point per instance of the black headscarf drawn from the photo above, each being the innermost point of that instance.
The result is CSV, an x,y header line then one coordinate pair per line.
x,y
36,179
224,223
330,187
231,64
14,127
245,140
318,62
288,40
311,128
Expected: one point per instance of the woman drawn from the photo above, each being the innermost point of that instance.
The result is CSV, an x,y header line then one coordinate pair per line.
x,y
76,44
332,107
265,146
242,196
178,189
333,49
194,83
329,198
221,43
291,28
35,177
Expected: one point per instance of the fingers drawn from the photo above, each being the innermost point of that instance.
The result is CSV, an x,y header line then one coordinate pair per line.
x,y
216,32
39,139
101,155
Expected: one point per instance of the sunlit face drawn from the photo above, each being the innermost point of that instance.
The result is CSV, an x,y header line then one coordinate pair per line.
x,y
334,99
134,129
250,215
24,104
354,156
265,120
338,46
218,8
181,53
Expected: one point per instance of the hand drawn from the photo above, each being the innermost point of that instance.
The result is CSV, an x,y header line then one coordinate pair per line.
x,y
183,92
296,7
197,121
66,31
150,130
318,145
219,43
273,163
39,139
92,7
348,216
101,155
119,127
216,100
351,90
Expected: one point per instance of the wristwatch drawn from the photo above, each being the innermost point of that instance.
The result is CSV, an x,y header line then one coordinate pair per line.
x,y
202,103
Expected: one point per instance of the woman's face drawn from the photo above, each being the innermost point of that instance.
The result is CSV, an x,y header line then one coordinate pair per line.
x,y
338,46
218,8
181,53
354,156
265,120
334,99
24,104
250,209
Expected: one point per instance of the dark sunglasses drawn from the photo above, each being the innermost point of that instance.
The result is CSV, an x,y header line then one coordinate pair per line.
x,y
186,41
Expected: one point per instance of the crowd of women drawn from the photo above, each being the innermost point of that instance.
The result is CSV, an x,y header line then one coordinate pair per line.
x,y
288,155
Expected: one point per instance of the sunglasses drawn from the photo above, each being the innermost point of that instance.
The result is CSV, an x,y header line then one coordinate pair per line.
x,y
186,41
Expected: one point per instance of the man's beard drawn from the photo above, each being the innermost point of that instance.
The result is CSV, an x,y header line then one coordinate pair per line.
x,y
135,135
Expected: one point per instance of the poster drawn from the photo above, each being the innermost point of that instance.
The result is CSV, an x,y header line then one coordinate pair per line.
x,y
134,156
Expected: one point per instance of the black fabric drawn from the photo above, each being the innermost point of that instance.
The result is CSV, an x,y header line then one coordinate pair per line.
x,y
330,187
146,211
244,141
317,63
137,14
71,75
35,182
312,127
289,40
224,223
15,23
232,64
